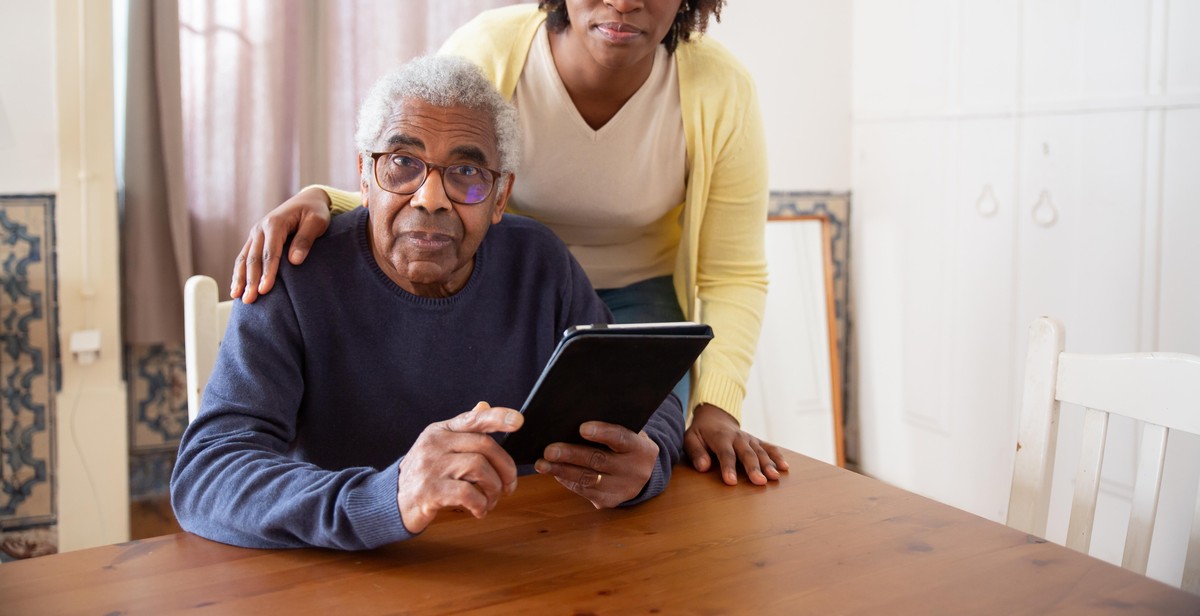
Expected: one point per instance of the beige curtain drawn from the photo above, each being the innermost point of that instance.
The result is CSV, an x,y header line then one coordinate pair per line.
x,y
155,238
267,94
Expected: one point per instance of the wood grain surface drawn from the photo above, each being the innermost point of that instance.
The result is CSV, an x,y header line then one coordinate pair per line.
x,y
822,541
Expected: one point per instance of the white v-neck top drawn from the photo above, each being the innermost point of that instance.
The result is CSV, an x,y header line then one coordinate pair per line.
x,y
614,195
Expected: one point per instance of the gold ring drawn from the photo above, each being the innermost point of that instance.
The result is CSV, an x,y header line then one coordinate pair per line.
x,y
598,478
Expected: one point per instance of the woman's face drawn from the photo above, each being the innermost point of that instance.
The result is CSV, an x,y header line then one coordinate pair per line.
x,y
620,33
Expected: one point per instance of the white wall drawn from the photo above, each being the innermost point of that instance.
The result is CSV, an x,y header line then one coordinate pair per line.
x,y
799,54
28,149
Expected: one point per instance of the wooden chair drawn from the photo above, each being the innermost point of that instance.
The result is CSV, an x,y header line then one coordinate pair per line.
x,y
1161,390
204,321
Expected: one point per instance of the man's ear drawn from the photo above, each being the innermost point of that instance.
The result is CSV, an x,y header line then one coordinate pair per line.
x,y
363,185
503,192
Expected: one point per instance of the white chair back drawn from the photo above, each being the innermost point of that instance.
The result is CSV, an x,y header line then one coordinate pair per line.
x,y
1161,390
204,321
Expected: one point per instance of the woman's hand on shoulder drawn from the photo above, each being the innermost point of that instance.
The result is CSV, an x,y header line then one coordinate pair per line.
x,y
307,214
715,430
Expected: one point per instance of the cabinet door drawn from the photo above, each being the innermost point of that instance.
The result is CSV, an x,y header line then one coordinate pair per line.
x,y
1084,50
934,57
1183,49
987,56
933,255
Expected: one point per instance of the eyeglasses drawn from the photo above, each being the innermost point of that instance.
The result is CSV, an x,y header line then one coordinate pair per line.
x,y
404,174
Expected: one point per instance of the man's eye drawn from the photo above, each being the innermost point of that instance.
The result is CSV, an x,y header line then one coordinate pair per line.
x,y
465,170
400,160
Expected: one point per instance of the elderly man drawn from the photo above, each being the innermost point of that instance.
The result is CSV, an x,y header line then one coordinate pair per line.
x,y
335,414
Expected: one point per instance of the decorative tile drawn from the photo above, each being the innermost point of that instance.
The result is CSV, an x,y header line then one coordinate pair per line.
x,y
156,376
150,473
157,379
28,375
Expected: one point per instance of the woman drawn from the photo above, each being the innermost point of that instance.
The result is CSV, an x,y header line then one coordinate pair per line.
x,y
644,152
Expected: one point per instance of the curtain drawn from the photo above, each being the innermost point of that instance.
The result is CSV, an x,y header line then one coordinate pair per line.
x,y
155,238
268,93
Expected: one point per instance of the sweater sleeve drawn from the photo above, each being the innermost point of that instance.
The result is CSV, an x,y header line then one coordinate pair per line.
x,y
665,428
233,481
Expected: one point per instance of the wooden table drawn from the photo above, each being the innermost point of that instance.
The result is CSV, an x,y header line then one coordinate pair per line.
x,y
822,541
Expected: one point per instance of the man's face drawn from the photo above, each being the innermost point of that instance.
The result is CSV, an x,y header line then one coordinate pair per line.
x,y
426,242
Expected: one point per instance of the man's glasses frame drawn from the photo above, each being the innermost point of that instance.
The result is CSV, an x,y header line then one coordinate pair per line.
x,y
490,175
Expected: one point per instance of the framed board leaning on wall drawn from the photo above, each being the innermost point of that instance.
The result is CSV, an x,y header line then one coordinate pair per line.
x,y
793,394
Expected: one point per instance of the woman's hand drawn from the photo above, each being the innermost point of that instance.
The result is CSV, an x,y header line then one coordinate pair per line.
x,y
609,475
307,214
714,429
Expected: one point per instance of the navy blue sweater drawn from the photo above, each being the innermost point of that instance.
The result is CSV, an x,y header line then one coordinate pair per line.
x,y
323,384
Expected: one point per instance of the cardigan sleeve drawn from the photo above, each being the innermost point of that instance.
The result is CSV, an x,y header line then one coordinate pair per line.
x,y
340,201
731,267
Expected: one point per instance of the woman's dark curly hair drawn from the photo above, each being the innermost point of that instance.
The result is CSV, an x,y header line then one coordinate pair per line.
x,y
692,18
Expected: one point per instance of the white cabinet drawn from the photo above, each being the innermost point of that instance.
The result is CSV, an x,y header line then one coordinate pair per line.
x,y
1013,159
933,258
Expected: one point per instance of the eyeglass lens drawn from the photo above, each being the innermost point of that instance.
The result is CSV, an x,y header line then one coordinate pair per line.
x,y
404,175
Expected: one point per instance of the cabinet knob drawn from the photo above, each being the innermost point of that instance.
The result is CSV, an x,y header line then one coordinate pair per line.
x,y
987,205
1043,212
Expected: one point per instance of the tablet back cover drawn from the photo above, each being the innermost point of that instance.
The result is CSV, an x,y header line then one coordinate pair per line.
x,y
618,374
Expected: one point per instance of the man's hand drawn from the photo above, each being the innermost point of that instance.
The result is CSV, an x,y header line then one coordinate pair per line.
x,y
454,463
714,429
608,475
254,270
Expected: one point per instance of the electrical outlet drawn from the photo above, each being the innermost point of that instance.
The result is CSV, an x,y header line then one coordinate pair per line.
x,y
85,345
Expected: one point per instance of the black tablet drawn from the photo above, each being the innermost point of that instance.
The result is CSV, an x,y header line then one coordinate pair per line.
x,y
614,373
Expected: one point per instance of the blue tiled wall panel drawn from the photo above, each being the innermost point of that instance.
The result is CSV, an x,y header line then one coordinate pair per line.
x,y
157,382
28,376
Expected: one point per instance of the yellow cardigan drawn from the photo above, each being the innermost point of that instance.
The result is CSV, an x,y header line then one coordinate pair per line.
x,y
720,268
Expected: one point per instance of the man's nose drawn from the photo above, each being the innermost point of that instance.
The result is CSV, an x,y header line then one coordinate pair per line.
x,y
431,196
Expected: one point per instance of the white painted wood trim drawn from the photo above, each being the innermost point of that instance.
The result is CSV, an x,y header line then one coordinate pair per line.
x,y
204,322
1029,503
1087,480
1135,385
1147,487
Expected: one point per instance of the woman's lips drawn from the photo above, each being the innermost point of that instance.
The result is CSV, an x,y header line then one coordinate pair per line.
x,y
618,31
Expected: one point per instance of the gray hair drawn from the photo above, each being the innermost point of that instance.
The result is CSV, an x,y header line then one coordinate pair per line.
x,y
443,81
